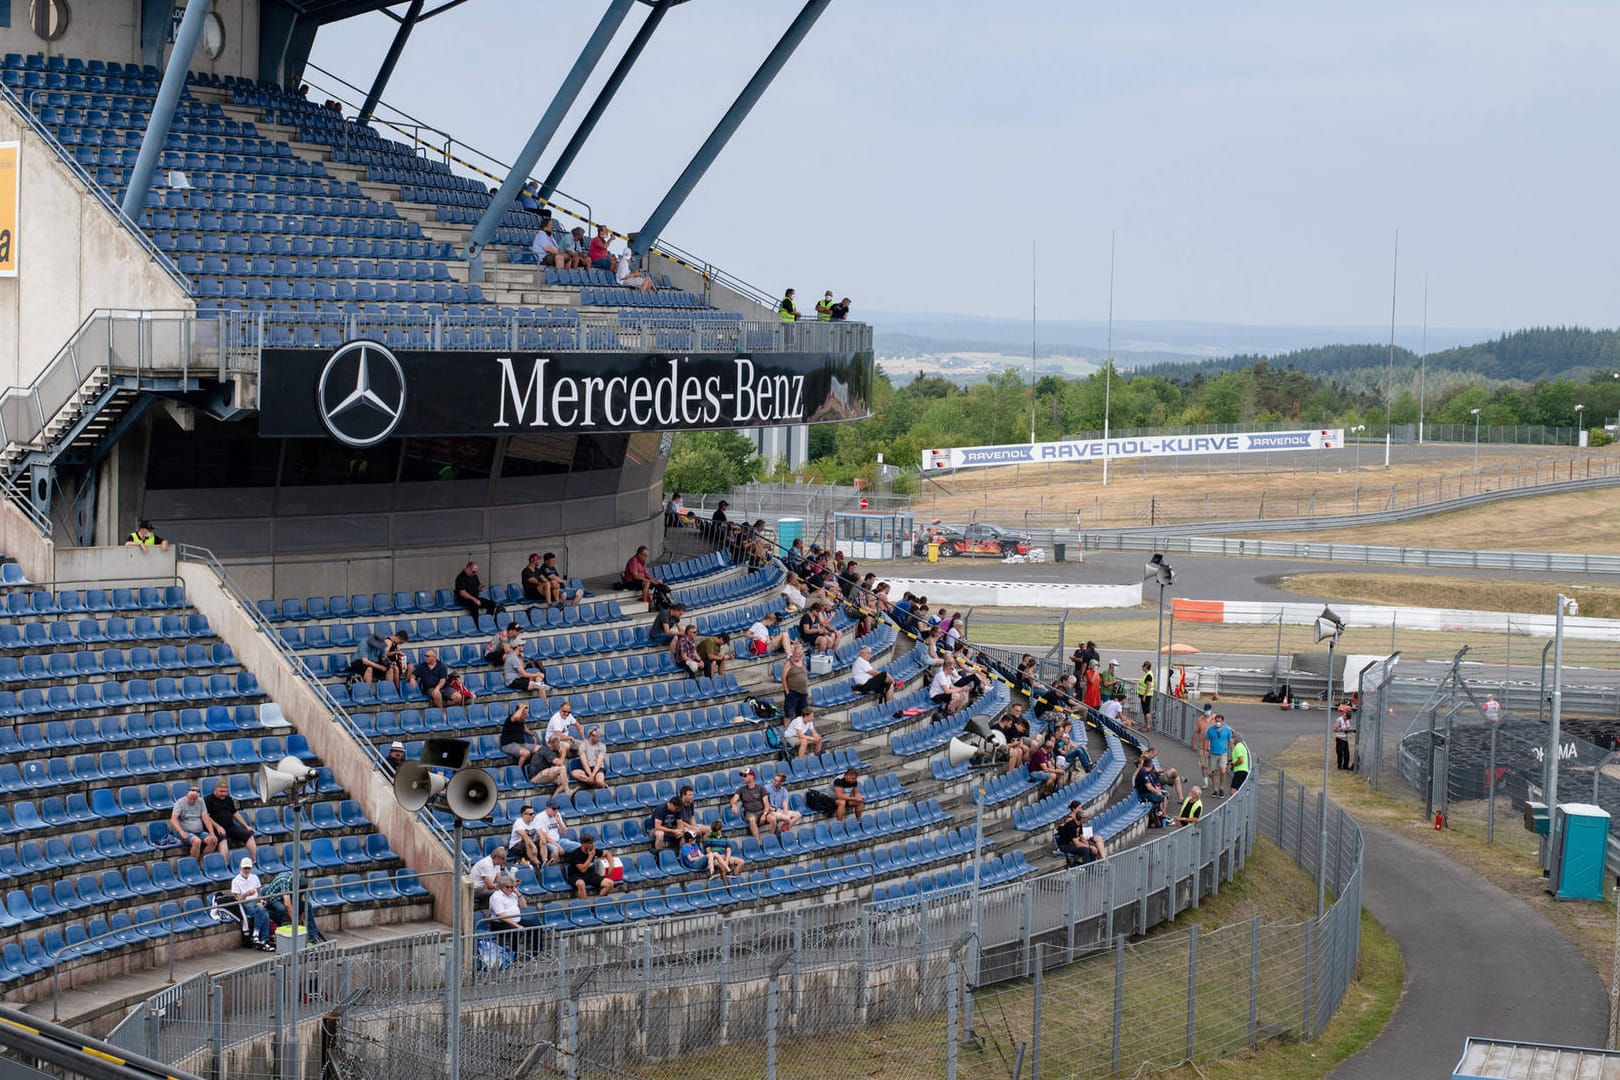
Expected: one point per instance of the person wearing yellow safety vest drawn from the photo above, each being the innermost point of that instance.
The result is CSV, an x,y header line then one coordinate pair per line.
x,y
1144,693
1240,762
824,308
787,310
144,537
1192,808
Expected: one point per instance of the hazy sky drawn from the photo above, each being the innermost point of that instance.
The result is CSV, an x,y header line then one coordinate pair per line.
x,y
1255,158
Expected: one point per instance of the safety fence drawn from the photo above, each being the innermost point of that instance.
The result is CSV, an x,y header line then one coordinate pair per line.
x,y
1402,434
1367,554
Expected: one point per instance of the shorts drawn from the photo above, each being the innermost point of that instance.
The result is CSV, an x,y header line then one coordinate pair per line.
x,y
592,877
513,749
757,647
1218,761
236,832
1238,778
602,264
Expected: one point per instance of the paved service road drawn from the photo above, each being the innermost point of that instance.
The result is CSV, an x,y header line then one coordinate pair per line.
x,y
1478,960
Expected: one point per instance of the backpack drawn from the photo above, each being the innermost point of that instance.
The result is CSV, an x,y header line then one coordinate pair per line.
x,y
819,801
773,738
765,710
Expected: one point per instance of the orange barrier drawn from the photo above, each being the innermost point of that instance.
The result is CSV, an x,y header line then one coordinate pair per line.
x,y
1206,611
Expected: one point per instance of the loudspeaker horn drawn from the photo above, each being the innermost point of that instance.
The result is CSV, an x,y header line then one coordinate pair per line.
x,y
273,782
415,784
444,753
960,750
979,726
471,794
295,769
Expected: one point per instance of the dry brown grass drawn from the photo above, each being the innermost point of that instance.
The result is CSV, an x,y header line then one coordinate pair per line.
x,y
1586,522
1474,594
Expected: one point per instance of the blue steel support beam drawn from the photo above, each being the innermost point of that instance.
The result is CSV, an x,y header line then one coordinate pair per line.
x,y
386,72
604,97
572,84
168,99
728,125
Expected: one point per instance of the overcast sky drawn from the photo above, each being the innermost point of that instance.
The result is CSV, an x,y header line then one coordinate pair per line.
x,y
1255,158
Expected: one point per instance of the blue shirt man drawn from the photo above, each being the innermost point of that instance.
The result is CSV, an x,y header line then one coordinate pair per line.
x,y
1219,738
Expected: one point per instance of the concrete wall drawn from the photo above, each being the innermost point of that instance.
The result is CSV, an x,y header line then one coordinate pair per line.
x,y
73,257
1021,594
22,541
92,566
353,768
111,30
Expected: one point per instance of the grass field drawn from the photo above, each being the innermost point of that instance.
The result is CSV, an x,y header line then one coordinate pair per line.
x,y
1494,594
1077,1006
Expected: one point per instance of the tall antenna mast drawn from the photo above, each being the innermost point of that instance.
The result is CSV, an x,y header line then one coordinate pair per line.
x,y
1032,277
1389,379
1108,361
1423,357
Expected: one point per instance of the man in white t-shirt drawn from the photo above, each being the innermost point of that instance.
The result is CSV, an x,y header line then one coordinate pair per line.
x,y
628,275
1112,709
764,637
801,732
944,690
516,923
562,730
869,679
245,886
556,830
781,816
1492,709
528,838
485,872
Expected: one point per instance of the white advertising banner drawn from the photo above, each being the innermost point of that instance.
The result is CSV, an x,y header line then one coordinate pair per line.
x,y
1237,442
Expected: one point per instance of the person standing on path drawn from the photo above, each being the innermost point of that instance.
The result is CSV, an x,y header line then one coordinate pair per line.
x,y
1218,739
1341,737
1240,761
1201,726
1144,693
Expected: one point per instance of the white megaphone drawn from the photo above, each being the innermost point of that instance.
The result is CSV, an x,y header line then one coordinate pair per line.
x,y
281,777
960,750
415,784
471,794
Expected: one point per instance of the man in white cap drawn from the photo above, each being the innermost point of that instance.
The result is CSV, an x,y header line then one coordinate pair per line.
x,y
395,758
245,886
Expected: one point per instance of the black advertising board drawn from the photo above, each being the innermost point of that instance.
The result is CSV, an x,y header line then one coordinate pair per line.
x,y
364,392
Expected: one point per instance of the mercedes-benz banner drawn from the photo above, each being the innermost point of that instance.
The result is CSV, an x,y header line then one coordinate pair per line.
x,y
364,392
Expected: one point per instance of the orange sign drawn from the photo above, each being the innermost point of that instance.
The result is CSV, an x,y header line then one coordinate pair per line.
x,y
10,182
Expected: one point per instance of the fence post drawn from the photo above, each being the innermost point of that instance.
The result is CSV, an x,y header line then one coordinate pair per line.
x,y
1070,901
154,1035
1112,868
216,1030
276,1015
646,993
1254,980
1035,1023
862,999
571,1039
725,980
952,1028
1310,962
1119,1000
770,1028
1028,927
1144,883
1192,986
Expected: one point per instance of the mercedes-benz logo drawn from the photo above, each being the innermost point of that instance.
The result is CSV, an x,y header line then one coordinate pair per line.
x,y
361,394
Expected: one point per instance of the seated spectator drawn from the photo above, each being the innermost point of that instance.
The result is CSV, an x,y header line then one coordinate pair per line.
x,y
683,647
674,512
394,758
793,592
867,679
573,255
432,677
529,838
1015,730
1192,807
752,802
1146,783
631,277
532,581
666,625
278,898
1025,676
1113,708
529,196
518,924
467,590
517,741
846,792
246,888
801,733
516,673
546,250
674,818
952,631
944,691
764,636
495,652
559,837
554,586
562,730
780,816
582,871
229,826
1042,767
580,247
144,537
486,873
375,658
815,629
714,650
189,822
637,576
548,766
723,857
1075,839
590,767
1071,749
691,854
601,256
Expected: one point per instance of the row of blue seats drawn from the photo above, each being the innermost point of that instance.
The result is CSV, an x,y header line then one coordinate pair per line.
x,y
353,145
237,234
74,64
159,724
138,762
106,804
545,648
32,635
932,736
450,627
119,695
30,858
657,298
440,196
63,83
522,223
635,320
647,695
32,667
579,277
248,183
957,881
94,601
387,725
307,333
288,266
365,292
1099,781
386,174
421,602
768,580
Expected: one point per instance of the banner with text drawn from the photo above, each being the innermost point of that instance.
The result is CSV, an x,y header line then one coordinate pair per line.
x,y
10,186
1071,450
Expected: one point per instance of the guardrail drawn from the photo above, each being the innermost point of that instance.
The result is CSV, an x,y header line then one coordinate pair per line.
x,y
1369,554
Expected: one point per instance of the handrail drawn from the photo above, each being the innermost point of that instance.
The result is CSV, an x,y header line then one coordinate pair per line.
x,y
339,715
157,254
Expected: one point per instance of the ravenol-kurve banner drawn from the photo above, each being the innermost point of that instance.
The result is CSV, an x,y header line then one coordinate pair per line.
x,y
10,182
1237,442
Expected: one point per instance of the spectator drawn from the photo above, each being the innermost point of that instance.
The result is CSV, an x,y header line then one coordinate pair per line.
x,y
1111,686
782,817
591,768
723,857
1219,740
517,676
632,277
395,757
467,589
547,251
1071,748
229,826
1342,729
719,523
666,625
1025,677
547,765
846,792
144,537
824,307
509,916
529,838
867,679
1084,655
1042,768
1075,839
637,576
517,741
795,683
1092,694
374,658
486,873
1113,708
532,581
433,679
840,310
1192,807
764,637
529,196
787,310
247,890
944,691
581,871
752,802
793,592
1015,730
1146,783
573,252
554,585
190,822
801,733
562,730
684,819
502,643
690,854
1240,761
714,651
278,897
1168,779
683,647
601,257
815,629
580,246
559,836
674,512
1144,692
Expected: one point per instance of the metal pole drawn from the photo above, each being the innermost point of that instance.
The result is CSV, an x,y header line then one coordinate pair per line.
x,y
1327,752
295,915
1614,975
561,102
770,1025
169,93
452,977
1490,801
1541,698
973,921
386,72
1158,689
1108,363
729,123
1035,1023
1553,739
953,1033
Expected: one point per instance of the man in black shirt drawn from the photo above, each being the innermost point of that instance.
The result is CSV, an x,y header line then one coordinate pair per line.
x,y
581,871
846,791
231,826
433,677
395,757
555,585
666,624
546,766
467,590
517,741
1072,841
674,819
532,581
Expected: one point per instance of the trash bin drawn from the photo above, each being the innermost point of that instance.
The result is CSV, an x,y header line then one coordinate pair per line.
x,y
933,551
1059,552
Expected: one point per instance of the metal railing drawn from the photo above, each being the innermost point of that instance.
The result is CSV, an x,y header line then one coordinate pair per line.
x,y
1369,554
